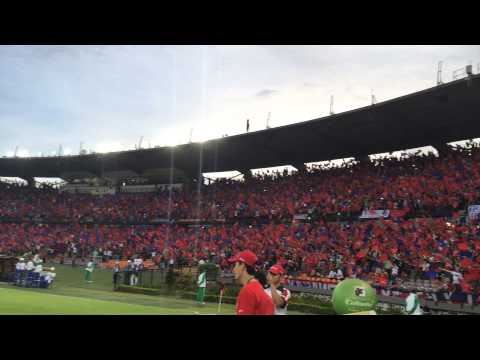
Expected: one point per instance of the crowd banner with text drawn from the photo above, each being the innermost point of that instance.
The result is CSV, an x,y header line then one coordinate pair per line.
x,y
374,214
473,212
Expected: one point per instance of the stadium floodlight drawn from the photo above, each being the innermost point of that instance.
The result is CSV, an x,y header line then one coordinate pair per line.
x,y
439,73
468,70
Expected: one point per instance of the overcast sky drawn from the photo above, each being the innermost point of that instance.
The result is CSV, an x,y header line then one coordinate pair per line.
x,y
109,96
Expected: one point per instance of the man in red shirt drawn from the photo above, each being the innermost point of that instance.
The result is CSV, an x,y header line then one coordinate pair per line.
x,y
252,299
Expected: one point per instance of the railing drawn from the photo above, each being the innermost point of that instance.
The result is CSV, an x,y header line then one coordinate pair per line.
x,y
459,73
151,278
433,212
156,278
396,301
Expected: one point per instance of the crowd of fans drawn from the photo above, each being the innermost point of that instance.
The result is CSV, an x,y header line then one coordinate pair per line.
x,y
384,252
413,183
424,245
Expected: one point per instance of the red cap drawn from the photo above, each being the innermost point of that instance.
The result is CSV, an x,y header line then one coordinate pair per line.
x,y
246,257
277,269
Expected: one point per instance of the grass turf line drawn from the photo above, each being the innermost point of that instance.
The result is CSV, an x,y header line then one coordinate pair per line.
x,y
71,295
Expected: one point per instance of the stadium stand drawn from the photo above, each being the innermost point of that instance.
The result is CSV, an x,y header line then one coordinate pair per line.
x,y
399,223
426,233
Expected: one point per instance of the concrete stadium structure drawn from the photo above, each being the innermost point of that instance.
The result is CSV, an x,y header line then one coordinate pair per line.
x,y
435,116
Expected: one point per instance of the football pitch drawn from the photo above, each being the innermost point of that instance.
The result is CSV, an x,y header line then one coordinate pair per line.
x,y
71,295
33,303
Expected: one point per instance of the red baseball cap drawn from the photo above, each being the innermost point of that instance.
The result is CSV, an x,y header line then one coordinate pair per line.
x,y
277,269
247,257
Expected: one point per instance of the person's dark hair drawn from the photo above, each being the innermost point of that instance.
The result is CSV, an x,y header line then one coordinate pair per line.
x,y
251,270
262,277
259,275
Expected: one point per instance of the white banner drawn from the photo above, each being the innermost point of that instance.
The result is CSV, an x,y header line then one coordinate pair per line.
x,y
102,191
375,214
147,188
87,189
473,212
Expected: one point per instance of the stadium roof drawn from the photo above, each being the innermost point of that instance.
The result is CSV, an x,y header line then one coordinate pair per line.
x,y
441,114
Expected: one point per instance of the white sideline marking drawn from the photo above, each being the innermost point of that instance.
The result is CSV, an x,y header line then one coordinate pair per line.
x,y
197,313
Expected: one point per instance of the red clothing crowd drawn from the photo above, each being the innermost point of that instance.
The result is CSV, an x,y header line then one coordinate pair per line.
x,y
370,249
412,183
383,251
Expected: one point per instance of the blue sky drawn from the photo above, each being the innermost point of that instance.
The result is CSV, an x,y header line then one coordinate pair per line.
x,y
109,96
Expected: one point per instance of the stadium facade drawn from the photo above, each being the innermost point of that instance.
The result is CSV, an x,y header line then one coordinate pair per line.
x,y
435,116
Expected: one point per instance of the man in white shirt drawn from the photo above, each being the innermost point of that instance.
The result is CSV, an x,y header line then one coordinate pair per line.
x,y
339,275
28,274
20,270
137,266
36,259
456,278
39,267
30,265
48,277
21,264
394,273
279,294
332,274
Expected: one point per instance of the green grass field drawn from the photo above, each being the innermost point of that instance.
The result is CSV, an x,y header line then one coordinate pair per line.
x,y
70,295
